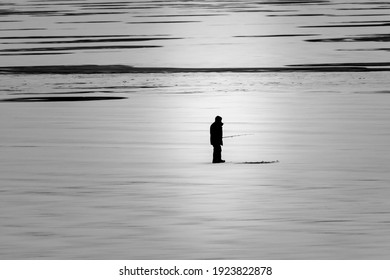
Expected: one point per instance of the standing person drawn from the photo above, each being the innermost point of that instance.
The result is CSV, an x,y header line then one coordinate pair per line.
x,y
216,139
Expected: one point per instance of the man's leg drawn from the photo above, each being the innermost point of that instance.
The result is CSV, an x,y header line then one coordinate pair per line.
x,y
220,154
217,154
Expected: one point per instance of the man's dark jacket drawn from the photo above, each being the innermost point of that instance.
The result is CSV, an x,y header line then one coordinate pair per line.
x,y
216,134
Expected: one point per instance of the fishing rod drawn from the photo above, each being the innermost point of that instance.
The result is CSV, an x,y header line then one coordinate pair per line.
x,y
237,135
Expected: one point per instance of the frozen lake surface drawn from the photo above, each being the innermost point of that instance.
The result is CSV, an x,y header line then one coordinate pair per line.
x,y
106,161
132,178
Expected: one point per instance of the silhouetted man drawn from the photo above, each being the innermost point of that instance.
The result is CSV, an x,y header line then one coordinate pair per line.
x,y
216,139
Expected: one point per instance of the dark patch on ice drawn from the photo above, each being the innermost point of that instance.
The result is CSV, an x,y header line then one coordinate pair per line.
x,y
159,22
364,38
359,15
298,15
179,15
64,92
258,162
300,2
367,21
364,9
75,14
79,36
118,87
116,69
77,48
62,98
346,25
365,50
123,8
73,83
9,12
364,64
105,40
7,89
249,10
275,35
35,53
84,22
22,29
332,221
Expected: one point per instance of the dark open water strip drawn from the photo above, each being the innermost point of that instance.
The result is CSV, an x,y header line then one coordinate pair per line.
x,y
361,38
104,40
78,48
61,98
117,69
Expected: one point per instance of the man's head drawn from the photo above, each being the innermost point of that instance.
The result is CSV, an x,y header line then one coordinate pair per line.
x,y
218,119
